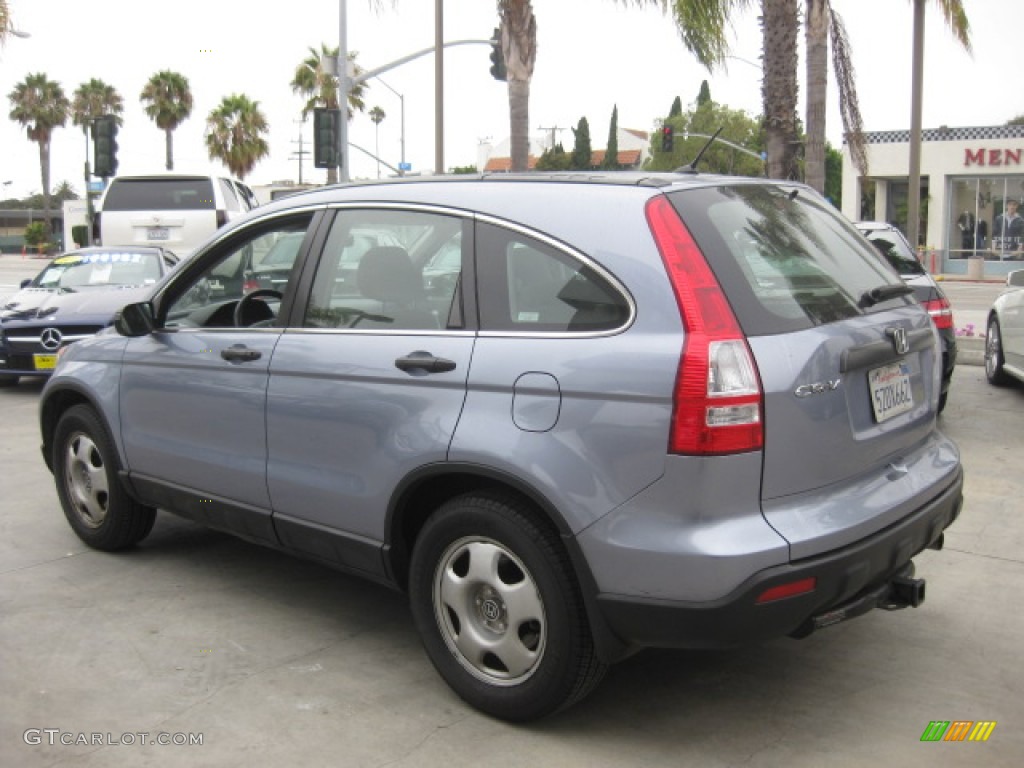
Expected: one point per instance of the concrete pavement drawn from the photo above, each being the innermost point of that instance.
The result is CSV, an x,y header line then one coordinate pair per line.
x,y
273,661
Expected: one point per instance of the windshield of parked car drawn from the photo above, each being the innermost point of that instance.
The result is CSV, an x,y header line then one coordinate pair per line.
x,y
90,270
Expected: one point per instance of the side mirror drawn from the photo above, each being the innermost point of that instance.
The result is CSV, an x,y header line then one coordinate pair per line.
x,y
26,282
135,319
1015,278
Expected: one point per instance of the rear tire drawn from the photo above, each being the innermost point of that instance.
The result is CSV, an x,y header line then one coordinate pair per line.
x,y
994,355
499,610
85,468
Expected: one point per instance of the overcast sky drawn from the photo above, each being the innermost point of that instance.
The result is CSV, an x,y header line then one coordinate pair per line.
x,y
592,55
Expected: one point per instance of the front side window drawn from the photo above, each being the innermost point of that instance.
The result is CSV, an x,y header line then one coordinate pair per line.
x,y
528,286
258,263
388,269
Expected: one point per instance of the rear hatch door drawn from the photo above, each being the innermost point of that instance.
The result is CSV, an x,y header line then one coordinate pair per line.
x,y
848,362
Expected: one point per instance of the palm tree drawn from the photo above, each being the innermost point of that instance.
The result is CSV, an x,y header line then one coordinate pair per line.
x,y
779,24
234,134
319,87
168,100
40,105
822,25
377,115
519,46
5,21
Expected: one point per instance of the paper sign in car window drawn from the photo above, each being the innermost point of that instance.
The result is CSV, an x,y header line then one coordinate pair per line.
x,y
100,274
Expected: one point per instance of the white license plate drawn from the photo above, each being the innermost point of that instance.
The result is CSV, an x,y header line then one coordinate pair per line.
x,y
158,233
890,389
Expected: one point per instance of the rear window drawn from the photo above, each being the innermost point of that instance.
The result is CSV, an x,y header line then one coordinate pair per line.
x,y
896,251
179,194
785,258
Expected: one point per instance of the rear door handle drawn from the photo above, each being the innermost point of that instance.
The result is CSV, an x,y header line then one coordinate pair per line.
x,y
239,353
424,361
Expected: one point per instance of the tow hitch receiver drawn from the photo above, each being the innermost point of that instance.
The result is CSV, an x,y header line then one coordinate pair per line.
x,y
901,591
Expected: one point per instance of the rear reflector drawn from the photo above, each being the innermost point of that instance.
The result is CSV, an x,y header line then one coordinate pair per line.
x,y
792,589
717,399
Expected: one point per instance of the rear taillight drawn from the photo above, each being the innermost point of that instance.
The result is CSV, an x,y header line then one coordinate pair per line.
x,y
941,312
717,399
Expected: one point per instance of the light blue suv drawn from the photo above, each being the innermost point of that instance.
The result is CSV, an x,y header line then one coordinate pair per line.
x,y
639,410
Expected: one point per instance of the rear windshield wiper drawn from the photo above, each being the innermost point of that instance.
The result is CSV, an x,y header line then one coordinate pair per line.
x,y
883,293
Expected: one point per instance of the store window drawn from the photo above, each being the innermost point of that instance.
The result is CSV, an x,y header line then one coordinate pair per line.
x,y
986,219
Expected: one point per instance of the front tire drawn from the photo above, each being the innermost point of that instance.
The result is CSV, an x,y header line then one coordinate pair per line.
x,y
85,468
499,610
994,355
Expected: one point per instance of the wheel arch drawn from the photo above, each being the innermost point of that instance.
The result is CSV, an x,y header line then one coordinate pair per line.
x,y
427,488
56,403
423,491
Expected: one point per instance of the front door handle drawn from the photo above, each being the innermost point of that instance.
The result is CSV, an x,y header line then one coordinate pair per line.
x,y
425,362
239,353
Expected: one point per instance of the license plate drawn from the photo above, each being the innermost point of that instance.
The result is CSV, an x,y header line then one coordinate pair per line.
x,y
44,362
890,390
158,233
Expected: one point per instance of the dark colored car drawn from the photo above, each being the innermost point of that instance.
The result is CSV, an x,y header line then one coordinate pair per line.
x,y
897,251
73,297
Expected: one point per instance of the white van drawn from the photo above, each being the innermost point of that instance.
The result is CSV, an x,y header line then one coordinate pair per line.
x,y
174,211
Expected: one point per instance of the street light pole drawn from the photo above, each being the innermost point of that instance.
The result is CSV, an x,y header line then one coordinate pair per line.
x,y
343,88
401,101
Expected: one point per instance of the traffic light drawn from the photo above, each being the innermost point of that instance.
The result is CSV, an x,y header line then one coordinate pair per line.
x,y
667,138
326,137
104,143
498,71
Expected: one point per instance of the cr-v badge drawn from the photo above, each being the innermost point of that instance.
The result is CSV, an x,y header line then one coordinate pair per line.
x,y
817,388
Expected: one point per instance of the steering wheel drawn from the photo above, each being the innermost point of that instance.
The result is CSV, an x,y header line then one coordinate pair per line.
x,y
252,309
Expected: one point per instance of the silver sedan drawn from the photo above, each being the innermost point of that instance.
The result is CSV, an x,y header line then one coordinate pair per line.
x,y
1004,340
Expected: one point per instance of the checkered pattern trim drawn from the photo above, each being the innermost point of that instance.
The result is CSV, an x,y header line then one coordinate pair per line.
x,y
948,134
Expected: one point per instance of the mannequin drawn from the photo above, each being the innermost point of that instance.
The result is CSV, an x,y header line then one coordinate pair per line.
x,y
966,225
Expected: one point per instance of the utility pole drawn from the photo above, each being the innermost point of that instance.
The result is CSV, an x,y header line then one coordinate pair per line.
x,y
439,86
300,153
553,130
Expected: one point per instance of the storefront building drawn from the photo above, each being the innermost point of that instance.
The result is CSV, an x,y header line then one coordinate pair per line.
x,y
972,185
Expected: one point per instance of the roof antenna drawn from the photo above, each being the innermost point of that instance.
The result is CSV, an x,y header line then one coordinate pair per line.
x,y
692,167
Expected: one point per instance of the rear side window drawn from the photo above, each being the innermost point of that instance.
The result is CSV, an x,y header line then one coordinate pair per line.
x,y
528,286
786,259
178,194
896,251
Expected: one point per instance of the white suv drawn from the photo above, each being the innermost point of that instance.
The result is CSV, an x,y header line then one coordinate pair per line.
x,y
173,211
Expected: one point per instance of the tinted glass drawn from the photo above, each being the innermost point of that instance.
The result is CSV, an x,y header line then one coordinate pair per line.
x,y
394,270
786,259
896,251
178,194
528,286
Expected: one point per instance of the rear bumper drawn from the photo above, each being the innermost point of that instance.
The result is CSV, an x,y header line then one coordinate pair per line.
x,y
848,582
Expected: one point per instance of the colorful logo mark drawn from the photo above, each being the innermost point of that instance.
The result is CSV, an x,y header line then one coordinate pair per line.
x,y
958,730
